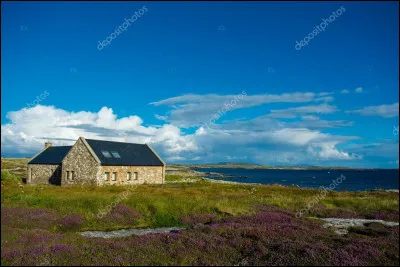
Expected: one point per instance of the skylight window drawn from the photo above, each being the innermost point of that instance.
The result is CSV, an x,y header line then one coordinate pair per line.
x,y
115,154
106,154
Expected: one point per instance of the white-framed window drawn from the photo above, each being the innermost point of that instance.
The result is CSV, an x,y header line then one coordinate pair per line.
x,y
67,174
72,175
135,176
128,176
114,176
106,176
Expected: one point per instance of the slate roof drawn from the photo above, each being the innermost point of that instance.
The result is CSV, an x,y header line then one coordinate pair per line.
x,y
52,155
130,154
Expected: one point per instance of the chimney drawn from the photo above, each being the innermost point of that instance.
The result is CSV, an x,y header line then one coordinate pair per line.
x,y
47,144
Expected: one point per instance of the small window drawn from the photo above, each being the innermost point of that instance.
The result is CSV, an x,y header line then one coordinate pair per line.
x,y
128,176
135,176
106,154
114,176
115,154
106,176
72,175
67,174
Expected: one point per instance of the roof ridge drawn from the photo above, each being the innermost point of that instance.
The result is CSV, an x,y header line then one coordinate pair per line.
x,y
114,142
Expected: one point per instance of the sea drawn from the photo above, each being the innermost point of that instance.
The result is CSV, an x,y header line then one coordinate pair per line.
x,y
339,180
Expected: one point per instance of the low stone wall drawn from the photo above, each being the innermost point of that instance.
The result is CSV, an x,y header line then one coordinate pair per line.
x,y
145,175
43,174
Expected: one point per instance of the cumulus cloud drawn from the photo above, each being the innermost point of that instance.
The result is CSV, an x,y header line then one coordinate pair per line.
x,y
251,138
27,129
328,150
261,139
385,111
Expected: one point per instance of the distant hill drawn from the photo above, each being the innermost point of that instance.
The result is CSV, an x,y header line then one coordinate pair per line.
x,y
246,165
236,163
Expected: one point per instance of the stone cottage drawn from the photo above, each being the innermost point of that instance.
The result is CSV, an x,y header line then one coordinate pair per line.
x,y
96,162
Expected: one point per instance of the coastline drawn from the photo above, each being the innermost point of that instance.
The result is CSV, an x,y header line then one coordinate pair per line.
x,y
201,175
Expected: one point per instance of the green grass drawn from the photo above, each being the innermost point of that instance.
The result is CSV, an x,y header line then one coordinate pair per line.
x,y
11,163
31,236
174,178
164,205
9,177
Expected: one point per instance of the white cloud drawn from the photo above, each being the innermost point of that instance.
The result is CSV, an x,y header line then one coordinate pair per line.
x,y
30,128
278,142
296,137
382,149
192,110
325,93
294,112
328,150
344,91
310,117
358,90
314,122
385,111
324,99
256,137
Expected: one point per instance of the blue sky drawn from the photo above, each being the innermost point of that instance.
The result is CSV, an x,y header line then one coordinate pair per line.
x,y
165,77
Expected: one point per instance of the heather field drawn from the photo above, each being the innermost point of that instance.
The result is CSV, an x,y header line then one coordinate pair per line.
x,y
226,224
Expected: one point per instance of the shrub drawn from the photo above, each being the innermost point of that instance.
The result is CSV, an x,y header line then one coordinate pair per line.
x,y
71,222
386,216
122,214
269,236
199,219
22,217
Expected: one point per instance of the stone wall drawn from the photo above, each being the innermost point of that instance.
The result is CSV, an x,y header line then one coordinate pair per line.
x,y
146,175
43,174
82,163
